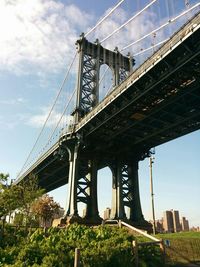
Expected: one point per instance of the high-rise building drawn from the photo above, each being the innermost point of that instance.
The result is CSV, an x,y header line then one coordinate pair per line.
x,y
185,224
176,221
171,222
106,214
168,223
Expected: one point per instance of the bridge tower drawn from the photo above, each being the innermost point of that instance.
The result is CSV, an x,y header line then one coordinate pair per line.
x,y
91,57
83,167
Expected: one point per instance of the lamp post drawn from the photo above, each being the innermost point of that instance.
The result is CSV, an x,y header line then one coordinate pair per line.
x,y
152,194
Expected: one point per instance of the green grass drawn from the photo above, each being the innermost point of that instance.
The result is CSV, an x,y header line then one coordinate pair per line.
x,y
179,235
184,247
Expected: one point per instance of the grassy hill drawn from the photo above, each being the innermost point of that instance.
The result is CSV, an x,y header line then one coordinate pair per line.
x,y
183,247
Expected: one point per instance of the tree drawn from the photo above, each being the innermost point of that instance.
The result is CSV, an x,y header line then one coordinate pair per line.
x,y
46,208
3,179
3,182
9,200
4,197
20,196
18,219
28,191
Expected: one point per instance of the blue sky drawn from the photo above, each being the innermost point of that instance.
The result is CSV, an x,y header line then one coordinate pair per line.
x,y
36,48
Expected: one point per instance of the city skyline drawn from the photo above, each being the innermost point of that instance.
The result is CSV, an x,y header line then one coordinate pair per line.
x,y
30,76
173,223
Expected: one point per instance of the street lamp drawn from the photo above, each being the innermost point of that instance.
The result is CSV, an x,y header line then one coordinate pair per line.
x,y
152,194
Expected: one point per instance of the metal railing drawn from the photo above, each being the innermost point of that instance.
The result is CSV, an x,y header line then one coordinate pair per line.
x,y
136,244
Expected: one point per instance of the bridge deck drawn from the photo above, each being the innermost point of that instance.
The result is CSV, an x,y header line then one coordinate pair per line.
x,y
158,102
185,32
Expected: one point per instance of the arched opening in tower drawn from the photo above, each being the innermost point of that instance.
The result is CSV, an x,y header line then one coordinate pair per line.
x,y
105,81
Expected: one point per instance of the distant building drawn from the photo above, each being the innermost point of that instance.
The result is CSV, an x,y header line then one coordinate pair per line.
x,y
195,229
176,221
106,214
172,224
185,224
168,223
159,226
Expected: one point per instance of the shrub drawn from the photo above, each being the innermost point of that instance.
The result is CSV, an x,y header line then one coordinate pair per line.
x,y
102,246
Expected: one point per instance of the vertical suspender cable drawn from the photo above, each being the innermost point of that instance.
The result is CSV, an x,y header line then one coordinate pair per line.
x,y
105,17
58,122
128,21
92,29
54,103
162,26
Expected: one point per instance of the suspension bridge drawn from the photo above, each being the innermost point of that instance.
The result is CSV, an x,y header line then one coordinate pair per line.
x,y
152,97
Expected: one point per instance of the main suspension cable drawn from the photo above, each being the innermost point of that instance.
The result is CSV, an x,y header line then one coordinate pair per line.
x,y
149,48
66,106
128,21
105,17
161,27
50,112
124,48
62,85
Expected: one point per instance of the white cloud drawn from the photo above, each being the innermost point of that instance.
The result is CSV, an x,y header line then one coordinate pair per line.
x,y
38,120
19,100
11,122
39,34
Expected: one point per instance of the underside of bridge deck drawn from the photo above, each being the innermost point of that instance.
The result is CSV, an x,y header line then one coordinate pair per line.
x,y
162,105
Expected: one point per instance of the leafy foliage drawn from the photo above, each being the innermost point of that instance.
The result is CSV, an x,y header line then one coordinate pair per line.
x,y
46,208
3,179
28,192
101,246
19,196
150,256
